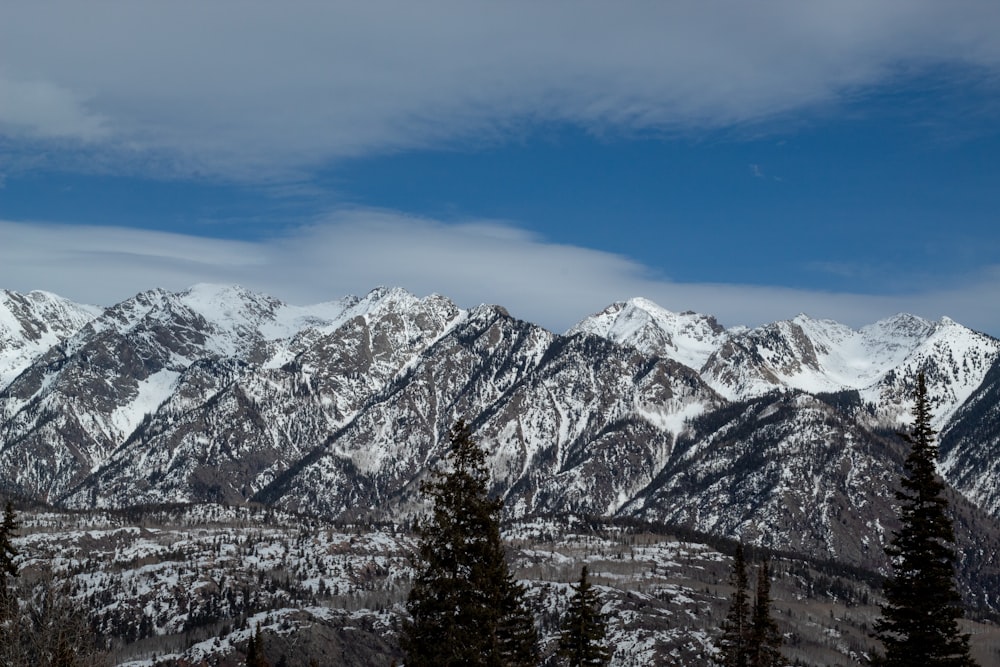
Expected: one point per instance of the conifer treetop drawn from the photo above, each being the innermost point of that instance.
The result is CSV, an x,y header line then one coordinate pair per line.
x,y
582,638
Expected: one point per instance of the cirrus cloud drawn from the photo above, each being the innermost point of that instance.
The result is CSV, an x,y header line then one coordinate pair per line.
x,y
252,90
354,250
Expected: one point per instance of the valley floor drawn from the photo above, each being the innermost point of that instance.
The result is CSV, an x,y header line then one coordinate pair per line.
x,y
189,585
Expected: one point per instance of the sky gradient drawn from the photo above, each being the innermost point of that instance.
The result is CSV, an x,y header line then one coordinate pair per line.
x,y
746,160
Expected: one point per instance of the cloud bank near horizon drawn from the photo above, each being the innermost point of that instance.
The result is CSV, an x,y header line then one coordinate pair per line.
x,y
355,250
254,90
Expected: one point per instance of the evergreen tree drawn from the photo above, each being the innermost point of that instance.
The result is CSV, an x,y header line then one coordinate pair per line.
x,y
517,635
255,650
51,630
765,638
465,605
581,639
919,624
735,640
8,571
8,553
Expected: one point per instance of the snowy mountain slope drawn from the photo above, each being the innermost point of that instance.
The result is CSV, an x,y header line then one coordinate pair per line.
x,y
688,338
880,361
970,446
32,323
811,355
785,471
589,428
231,427
794,473
85,398
955,360
218,394
569,423
391,442
76,404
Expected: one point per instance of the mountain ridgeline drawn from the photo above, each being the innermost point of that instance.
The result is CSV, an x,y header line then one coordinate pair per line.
x,y
782,435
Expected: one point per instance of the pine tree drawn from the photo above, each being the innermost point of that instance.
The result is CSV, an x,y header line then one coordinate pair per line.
x,y
735,640
516,632
465,605
581,639
255,650
765,638
919,624
8,571
8,553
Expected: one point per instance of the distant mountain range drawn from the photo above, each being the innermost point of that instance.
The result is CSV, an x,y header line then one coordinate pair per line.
x,y
782,434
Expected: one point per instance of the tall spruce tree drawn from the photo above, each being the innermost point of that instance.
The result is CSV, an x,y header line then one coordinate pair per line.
x,y
8,554
465,605
584,628
919,624
7,550
765,637
735,640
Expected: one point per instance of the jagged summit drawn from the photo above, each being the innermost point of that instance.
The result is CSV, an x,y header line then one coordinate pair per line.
x,y
812,355
688,337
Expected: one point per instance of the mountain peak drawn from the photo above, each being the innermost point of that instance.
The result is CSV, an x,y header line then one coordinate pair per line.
x,y
32,323
688,338
803,353
901,325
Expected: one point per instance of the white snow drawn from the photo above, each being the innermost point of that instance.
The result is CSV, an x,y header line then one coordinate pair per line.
x,y
688,338
30,324
150,393
672,421
879,360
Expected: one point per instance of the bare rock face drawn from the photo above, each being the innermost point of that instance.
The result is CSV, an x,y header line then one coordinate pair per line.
x,y
780,435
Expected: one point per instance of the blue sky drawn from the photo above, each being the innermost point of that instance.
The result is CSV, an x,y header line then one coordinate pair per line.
x,y
751,161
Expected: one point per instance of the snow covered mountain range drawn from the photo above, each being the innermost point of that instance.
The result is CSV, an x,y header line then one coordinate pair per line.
x,y
781,434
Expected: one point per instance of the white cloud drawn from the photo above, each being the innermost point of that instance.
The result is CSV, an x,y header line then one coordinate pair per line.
x,y
41,110
479,261
249,89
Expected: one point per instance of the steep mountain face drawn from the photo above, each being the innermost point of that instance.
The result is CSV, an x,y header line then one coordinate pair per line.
x,y
32,323
781,435
688,338
786,471
77,403
229,425
970,446
570,423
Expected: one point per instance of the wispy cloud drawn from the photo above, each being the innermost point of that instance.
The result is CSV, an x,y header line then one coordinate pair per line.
x,y
261,90
354,250
43,110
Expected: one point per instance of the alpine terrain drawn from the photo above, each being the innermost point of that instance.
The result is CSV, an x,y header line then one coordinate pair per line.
x,y
637,420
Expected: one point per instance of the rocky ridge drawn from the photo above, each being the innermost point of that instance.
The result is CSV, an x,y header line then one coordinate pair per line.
x,y
780,435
